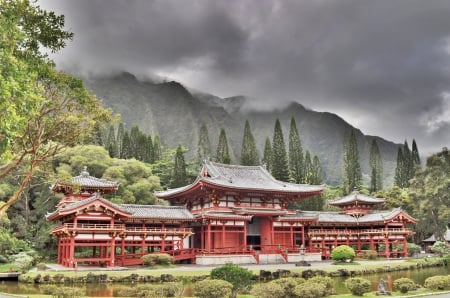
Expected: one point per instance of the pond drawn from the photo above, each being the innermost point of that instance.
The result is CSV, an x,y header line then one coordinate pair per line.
x,y
110,290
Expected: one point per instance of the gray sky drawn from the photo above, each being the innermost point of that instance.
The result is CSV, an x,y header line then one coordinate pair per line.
x,y
383,66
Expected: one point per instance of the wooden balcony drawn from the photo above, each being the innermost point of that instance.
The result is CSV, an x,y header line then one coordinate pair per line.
x,y
119,229
363,232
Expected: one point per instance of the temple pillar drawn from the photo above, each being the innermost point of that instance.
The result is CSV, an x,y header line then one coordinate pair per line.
x,y
208,237
112,256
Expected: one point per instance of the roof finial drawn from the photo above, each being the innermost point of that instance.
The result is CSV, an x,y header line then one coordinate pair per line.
x,y
84,172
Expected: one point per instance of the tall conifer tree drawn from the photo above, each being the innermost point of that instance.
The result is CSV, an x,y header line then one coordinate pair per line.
x,y
249,153
222,152
204,145
317,174
376,166
308,168
352,169
179,175
295,154
267,158
399,178
415,154
119,139
280,166
111,142
157,151
149,156
126,146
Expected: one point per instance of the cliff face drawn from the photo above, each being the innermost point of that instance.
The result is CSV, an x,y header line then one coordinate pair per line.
x,y
176,114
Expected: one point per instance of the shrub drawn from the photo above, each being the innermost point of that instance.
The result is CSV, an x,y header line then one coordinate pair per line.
x,y
66,292
169,289
438,282
369,254
357,285
413,249
157,259
288,285
326,281
238,276
403,285
310,290
270,289
342,253
3,259
440,248
212,288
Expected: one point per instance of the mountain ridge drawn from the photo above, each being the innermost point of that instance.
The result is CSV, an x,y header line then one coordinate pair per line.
x,y
176,114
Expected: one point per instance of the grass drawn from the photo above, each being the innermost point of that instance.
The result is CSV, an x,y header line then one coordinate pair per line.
x,y
9,267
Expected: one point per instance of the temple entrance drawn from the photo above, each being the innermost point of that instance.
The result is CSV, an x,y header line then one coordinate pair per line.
x,y
254,241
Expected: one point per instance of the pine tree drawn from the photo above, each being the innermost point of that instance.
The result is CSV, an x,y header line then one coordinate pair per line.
x,y
179,176
352,169
308,168
295,154
408,164
399,179
249,153
267,158
280,167
134,141
204,145
157,151
111,142
126,146
222,152
415,154
119,139
317,175
149,156
376,166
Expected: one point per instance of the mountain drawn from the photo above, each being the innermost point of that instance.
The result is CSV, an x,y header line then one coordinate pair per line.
x,y
176,114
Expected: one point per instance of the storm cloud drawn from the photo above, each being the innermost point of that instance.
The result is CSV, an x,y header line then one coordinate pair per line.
x,y
383,66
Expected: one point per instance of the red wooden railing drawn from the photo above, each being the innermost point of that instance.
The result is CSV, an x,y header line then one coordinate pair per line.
x,y
81,227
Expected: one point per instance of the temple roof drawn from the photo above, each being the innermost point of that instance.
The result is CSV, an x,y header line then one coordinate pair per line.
x,y
354,198
158,211
86,182
127,210
251,178
338,217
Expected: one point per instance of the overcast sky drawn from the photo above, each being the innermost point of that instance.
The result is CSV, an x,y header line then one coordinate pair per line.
x,y
383,66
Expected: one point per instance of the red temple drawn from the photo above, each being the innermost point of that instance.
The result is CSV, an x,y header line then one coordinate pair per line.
x,y
229,213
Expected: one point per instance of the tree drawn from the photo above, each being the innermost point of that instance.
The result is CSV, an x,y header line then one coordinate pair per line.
x,y
111,142
222,152
430,196
295,154
415,154
157,151
119,139
317,175
179,176
376,166
352,169
204,145
307,168
238,276
399,178
280,167
267,158
126,146
65,118
343,253
249,153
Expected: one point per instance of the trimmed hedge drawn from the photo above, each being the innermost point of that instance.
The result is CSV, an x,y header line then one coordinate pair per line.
x,y
404,285
157,259
213,288
438,282
358,286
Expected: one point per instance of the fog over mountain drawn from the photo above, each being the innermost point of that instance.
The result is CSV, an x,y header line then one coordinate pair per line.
x,y
176,114
383,66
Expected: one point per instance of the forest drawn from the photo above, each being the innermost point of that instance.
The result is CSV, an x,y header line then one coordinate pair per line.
x,y
51,127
